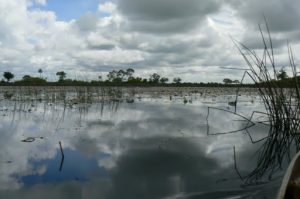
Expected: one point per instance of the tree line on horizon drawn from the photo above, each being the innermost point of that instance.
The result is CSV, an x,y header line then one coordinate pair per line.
x,y
118,78
113,77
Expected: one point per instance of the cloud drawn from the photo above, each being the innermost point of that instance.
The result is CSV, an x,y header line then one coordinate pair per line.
x,y
27,34
164,36
98,42
87,22
117,56
107,7
41,2
281,15
166,16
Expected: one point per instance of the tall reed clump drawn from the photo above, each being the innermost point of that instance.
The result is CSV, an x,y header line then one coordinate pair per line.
x,y
282,105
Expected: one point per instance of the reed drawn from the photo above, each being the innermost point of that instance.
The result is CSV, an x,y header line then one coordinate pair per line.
x,y
282,105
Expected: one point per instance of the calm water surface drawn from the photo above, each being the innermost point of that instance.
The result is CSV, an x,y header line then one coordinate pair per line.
x,y
155,147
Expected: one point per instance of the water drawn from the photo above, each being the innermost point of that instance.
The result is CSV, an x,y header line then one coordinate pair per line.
x,y
156,147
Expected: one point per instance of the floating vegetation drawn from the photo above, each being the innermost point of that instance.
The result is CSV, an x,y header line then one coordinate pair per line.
x,y
31,139
185,100
130,100
232,103
8,95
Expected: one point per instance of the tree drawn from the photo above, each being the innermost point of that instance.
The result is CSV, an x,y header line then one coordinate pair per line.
x,y
111,76
61,75
40,71
154,78
227,81
164,80
236,81
116,76
25,77
135,80
177,80
121,76
28,80
282,74
129,73
8,76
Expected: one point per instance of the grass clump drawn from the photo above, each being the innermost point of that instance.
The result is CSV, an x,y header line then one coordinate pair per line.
x,y
282,105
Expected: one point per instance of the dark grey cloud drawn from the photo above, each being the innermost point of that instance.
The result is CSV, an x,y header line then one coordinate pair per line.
x,y
101,46
174,45
169,51
164,26
255,41
166,15
281,15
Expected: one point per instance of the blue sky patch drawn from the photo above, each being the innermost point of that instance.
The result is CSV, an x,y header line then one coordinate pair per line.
x,y
67,10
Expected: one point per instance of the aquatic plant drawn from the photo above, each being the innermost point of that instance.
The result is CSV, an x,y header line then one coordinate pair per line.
x,y
282,105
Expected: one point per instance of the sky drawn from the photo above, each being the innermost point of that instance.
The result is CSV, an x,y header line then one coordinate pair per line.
x,y
190,39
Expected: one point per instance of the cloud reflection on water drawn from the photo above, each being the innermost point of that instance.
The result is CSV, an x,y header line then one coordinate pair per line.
x,y
142,150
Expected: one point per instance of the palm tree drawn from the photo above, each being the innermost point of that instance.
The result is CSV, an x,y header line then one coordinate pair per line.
x,y
40,71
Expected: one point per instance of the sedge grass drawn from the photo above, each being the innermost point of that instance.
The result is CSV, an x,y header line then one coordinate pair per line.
x,y
282,106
